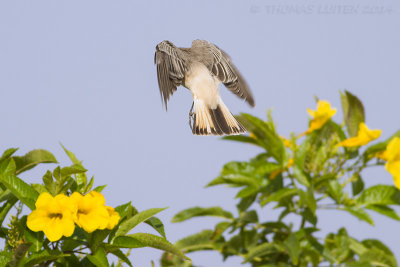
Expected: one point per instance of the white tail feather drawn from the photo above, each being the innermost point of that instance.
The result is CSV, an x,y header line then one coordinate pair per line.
x,y
214,121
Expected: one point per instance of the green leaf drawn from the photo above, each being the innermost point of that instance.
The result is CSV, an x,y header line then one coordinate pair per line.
x,y
384,210
35,238
19,254
292,246
99,258
378,254
41,257
132,222
6,207
7,167
89,185
7,154
335,191
199,241
147,240
199,211
242,139
265,135
71,156
33,158
74,169
278,195
157,225
123,209
247,191
246,217
357,246
39,188
357,184
380,195
6,195
100,188
353,112
96,239
5,257
121,256
23,191
300,176
360,213
261,250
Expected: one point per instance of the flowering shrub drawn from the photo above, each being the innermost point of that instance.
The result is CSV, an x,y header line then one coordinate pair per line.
x,y
320,169
69,223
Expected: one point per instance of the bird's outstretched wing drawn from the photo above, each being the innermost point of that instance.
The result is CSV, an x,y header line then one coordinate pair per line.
x,y
171,68
227,73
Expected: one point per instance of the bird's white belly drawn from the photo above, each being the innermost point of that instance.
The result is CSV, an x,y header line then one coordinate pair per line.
x,y
202,84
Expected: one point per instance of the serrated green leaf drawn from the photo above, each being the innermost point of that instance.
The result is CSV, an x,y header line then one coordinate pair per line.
x,y
199,241
39,188
132,222
99,188
357,246
7,167
35,238
335,191
384,210
6,207
157,225
71,155
19,254
89,185
73,169
247,191
293,248
278,195
5,257
121,256
265,135
353,112
380,195
23,191
261,250
6,195
359,213
7,154
41,257
99,258
123,209
199,211
33,158
357,184
147,240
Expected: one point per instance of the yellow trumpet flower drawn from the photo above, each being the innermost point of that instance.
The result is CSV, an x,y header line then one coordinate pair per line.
x,y
54,216
320,116
392,155
364,136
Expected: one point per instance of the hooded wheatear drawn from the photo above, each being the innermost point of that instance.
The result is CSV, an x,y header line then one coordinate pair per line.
x,y
201,69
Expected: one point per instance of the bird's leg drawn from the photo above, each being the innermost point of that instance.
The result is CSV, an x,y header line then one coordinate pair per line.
x,y
191,114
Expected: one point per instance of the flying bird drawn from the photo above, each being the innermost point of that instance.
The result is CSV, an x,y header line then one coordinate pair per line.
x,y
201,68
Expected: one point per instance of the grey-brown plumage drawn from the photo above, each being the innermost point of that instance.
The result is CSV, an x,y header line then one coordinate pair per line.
x,y
201,69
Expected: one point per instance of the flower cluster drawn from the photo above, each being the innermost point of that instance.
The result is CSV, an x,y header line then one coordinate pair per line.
x,y
56,216
364,136
392,156
320,116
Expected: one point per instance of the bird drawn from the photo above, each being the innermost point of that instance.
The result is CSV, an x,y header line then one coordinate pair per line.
x,y
201,69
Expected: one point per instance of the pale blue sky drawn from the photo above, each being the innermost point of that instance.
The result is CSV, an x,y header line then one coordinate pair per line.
x,y
82,73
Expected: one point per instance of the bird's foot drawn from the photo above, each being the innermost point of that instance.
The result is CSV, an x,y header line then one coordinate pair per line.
x,y
191,115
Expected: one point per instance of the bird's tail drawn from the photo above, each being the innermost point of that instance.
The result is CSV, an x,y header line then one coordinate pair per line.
x,y
217,121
